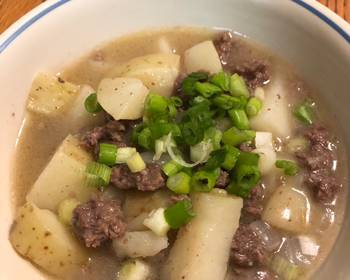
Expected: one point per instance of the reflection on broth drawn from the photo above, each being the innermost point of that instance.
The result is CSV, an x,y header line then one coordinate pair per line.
x,y
237,177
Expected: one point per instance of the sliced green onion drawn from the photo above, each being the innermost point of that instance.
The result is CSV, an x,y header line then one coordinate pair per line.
x,y
221,80
162,128
177,101
290,168
239,118
227,102
216,159
144,138
91,104
285,269
190,80
97,174
204,180
200,99
171,168
234,136
201,151
156,106
160,147
304,113
231,157
215,135
207,89
247,158
107,154
179,183
245,178
253,107
136,163
123,154
238,86
179,214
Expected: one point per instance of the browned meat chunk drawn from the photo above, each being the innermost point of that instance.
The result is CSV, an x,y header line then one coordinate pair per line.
x,y
318,160
149,179
115,132
223,180
247,248
236,57
246,147
97,221
253,206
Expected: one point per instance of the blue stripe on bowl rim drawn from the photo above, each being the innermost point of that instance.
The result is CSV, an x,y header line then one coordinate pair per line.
x,y
56,5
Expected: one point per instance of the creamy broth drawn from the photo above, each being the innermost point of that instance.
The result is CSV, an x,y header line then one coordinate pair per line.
x,y
40,137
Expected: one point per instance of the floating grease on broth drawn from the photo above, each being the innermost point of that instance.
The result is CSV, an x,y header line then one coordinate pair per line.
x,y
204,158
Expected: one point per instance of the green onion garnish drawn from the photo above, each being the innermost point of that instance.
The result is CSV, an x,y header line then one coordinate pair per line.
x,y
124,153
221,80
239,118
177,101
290,168
107,154
216,159
238,86
156,106
231,157
136,163
144,138
253,107
207,89
234,136
204,180
285,269
215,135
91,104
179,214
171,168
162,128
190,80
247,158
179,183
97,174
304,112
245,178
227,102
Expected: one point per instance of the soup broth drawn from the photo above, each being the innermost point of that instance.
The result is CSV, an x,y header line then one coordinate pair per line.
x,y
300,249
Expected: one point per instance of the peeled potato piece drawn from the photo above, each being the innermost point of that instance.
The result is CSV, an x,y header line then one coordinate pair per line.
x,y
38,235
202,57
157,71
202,248
62,177
288,209
123,98
50,95
275,115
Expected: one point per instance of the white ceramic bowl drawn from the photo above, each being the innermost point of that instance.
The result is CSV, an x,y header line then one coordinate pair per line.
x,y
308,35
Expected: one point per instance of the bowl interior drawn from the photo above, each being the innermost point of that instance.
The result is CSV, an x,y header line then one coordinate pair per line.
x,y
71,28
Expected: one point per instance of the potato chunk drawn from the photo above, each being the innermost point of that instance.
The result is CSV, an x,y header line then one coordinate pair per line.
x,y
275,115
62,177
202,248
50,95
157,71
288,209
39,236
136,244
123,98
202,57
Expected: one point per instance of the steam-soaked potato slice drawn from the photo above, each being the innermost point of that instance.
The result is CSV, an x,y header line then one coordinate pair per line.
x,y
62,177
202,57
157,71
38,235
123,98
275,115
288,209
50,95
202,248
136,244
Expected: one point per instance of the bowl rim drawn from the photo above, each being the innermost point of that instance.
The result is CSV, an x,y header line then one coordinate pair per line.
x,y
315,8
